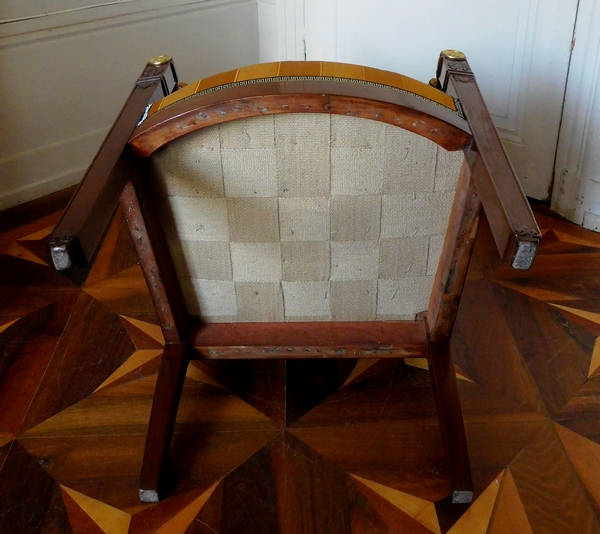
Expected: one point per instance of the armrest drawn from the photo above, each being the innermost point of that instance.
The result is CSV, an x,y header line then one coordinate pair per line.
x,y
513,225
75,238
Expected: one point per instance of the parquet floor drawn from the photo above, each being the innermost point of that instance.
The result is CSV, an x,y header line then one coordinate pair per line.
x,y
302,447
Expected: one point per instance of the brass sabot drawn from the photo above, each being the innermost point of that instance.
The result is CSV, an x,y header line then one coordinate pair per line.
x,y
456,55
159,60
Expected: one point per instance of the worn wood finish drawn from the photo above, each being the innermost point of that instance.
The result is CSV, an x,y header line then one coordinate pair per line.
x,y
155,260
514,227
455,258
413,113
75,238
393,339
270,352
162,419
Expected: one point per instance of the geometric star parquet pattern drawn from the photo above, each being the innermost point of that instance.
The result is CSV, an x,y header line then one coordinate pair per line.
x,y
299,446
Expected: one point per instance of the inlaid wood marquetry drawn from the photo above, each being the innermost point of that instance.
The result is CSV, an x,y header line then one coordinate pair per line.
x,y
108,518
584,455
421,363
195,372
419,509
304,70
19,251
134,362
360,367
509,514
477,517
152,330
180,522
313,446
7,324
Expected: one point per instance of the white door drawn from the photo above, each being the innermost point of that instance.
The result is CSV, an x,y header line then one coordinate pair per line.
x,y
576,192
518,49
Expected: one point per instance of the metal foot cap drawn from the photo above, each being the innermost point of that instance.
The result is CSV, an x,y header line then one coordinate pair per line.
x,y
462,497
148,495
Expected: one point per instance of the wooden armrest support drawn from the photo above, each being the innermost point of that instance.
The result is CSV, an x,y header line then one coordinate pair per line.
x,y
511,220
75,238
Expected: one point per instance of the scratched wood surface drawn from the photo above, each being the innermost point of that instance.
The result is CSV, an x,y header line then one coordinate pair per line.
x,y
301,446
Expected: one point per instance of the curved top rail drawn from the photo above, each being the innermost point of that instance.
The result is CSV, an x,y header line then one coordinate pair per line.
x,y
304,86
292,70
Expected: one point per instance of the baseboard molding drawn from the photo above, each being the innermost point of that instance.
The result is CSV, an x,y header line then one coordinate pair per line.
x,y
58,165
62,22
39,189
31,211
62,94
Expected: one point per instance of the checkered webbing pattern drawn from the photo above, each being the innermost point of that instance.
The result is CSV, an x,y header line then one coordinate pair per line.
x,y
305,217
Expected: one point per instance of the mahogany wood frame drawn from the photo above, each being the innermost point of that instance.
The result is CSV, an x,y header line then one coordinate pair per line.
x,y
486,178
77,235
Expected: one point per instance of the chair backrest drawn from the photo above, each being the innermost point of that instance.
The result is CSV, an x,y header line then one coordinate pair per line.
x,y
305,217
296,192
303,191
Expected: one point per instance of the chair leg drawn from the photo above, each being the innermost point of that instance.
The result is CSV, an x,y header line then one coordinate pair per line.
x,y
443,379
162,419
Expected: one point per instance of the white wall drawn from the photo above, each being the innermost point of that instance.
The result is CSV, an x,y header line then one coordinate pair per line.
x,y
521,68
281,30
518,49
66,67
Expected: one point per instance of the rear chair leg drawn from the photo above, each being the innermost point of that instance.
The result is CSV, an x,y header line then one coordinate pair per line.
x,y
162,419
445,390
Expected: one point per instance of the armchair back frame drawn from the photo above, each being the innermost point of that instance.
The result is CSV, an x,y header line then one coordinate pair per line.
x,y
454,117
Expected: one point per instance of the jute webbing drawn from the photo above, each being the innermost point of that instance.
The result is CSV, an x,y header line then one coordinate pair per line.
x,y
305,217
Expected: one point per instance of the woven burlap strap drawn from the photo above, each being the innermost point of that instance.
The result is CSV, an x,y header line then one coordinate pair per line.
x,y
305,217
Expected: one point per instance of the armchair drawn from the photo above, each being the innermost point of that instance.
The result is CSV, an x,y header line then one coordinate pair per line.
x,y
303,210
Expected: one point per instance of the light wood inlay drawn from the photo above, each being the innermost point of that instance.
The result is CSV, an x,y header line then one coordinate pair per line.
x,y
19,251
509,514
584,454
111,520
477,518
196,373
137,359
530,411
152,330
359,369
307,69
180,522
4,326
419,509
589,315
